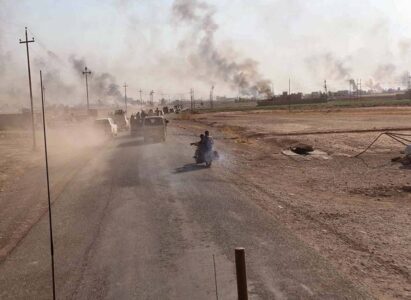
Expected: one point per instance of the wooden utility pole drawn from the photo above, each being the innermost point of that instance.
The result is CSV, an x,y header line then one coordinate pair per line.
x,y
87,72
360,89
141,98
27,41
211,97
289,94
192,99
151,97
125,95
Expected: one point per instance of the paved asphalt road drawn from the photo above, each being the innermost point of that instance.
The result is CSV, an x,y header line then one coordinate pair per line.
x,y
141,222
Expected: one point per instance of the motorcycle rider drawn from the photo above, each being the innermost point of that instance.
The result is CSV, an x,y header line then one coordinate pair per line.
x,y
200,146
208,141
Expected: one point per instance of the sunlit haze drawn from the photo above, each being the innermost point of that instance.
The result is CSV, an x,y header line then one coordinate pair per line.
x,y
153,46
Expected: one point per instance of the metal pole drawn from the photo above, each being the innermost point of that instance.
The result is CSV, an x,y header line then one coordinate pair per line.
x,y
48,189
194,102
88,105
87,72
125,95
360,88
31,91
215,279
241,274
212,97
289,94
191,99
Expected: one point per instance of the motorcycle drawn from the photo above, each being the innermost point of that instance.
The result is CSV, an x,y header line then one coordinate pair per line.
x,y
206,157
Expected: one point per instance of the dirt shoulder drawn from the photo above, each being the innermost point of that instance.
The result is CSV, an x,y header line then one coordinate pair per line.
x,y
353,211
23,195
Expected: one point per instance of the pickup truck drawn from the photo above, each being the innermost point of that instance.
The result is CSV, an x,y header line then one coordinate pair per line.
x,y
155,129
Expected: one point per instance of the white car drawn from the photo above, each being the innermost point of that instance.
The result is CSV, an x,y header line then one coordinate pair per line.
x,y
107,126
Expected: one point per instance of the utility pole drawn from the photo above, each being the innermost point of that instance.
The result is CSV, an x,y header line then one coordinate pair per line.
x,y
125,95
289,86
141,99
192,99
211,97
272,89
360,89
48,188
27,41
151,97
289,94
325,88
87,72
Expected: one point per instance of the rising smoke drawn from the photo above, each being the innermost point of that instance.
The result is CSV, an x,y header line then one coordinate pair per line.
x,y
57,88
383,73
207,61
329,65
103,86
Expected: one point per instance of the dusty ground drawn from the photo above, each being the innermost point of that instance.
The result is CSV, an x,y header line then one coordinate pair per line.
x,y
15,150
142,221
23,197
354,211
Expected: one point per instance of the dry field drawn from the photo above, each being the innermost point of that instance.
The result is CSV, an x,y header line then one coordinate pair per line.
x,y
356,212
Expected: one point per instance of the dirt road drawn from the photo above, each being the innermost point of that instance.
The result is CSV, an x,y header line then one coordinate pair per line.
x,y
141,222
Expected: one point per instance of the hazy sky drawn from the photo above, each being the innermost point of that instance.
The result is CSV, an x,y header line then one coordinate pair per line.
x,y
142,42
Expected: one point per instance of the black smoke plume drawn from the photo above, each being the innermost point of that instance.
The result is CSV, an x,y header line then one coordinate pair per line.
x,y
103,86
329,66
206,59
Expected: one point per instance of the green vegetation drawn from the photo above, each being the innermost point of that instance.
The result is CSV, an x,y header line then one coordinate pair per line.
x,y
318,106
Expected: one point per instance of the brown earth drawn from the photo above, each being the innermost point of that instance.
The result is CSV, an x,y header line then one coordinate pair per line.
x,y
23,195
354,211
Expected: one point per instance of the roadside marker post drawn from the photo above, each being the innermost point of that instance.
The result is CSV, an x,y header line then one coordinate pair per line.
x,y
241,274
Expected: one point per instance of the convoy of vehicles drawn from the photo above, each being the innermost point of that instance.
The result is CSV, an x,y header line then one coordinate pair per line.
x,y
155,129
120,118
152,126
136,126
106,126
